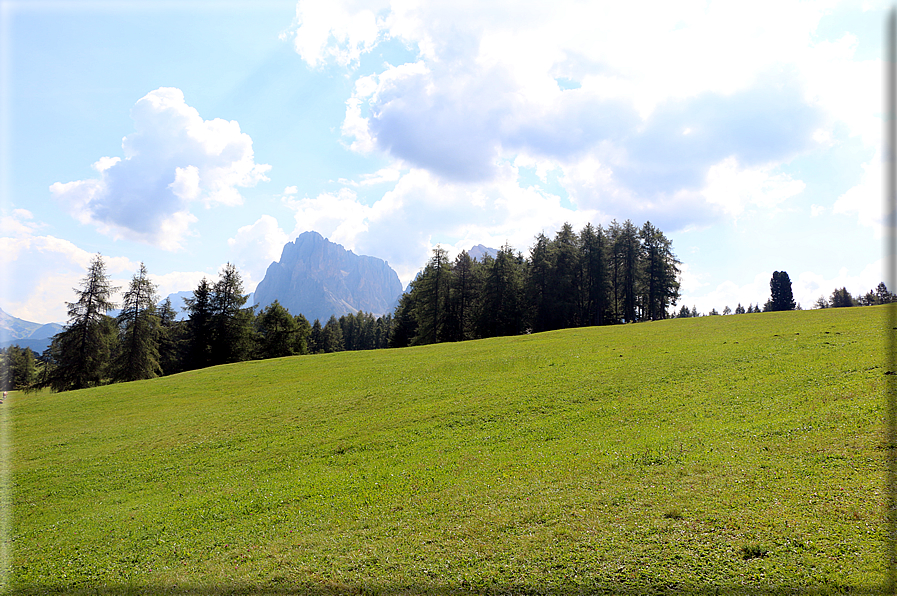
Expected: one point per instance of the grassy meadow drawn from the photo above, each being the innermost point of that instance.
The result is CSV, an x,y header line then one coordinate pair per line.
x,y
740,454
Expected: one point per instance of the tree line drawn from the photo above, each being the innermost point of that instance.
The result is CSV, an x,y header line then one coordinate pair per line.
x,y
146,341
599,276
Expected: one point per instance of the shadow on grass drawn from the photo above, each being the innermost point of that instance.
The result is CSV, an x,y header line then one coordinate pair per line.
x,y
384,590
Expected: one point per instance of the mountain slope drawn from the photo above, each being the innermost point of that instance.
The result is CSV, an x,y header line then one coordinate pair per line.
x,y
740,454
318,278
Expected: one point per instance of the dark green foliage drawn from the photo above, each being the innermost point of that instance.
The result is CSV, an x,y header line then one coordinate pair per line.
x,y
404,324
431,293
137,353
781,297
502,306
739,310
171,339
332,336
841,298
199,326
278,332
18,368
595,277
659,274
316,338
80,353
231,323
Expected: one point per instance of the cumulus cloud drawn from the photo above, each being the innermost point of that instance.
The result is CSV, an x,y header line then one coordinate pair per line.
x,y
45,269
648,109
256,246
424,210
865,200
172,161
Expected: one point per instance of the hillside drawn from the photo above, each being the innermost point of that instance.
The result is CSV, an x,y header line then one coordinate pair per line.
x,y
740,452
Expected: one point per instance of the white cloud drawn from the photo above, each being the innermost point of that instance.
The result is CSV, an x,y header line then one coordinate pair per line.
x,y
734,188
42,272
482,89
423,210
173,160
255,247
865,200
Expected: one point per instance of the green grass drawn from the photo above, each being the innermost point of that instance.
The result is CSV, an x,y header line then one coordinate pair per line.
x,y
732,453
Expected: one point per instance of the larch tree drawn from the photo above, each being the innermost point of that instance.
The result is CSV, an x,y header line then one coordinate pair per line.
x,y
137,353
81,351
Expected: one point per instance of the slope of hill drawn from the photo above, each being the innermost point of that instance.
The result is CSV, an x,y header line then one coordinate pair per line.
x,y
742,454
318,278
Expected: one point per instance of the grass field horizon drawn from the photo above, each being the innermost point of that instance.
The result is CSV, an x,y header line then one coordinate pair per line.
x,y
738,453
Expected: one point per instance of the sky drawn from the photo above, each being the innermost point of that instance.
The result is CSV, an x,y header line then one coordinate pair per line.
x,y
186,135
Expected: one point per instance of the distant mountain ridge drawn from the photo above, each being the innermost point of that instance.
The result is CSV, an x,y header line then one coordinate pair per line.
x,y
25,334
319,278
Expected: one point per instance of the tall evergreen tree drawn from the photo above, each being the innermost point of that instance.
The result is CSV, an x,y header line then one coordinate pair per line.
x,y
594,270
462,290
278,332
332,336
171,339
538,284
81,351
137,354
659,273
502,306
564,281
430,291
231,323
199,326
781,297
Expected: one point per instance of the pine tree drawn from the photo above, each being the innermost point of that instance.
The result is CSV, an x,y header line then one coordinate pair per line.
x,y
137,354
81,351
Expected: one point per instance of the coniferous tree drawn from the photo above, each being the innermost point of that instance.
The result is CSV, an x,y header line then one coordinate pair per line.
x,y
430,291
303,335
841,298
781,297
137,354
171,339
231,323
316,338
502,309
565,280
404,328
81,351
199,326
538,282
739,310
462,289
594,266
332,336
277,332
660,273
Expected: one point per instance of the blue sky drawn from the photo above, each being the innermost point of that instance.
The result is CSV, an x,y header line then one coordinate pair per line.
x,y
191,134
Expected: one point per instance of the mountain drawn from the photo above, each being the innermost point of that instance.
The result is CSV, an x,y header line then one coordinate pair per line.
x,y
25,334
319,278
479,252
